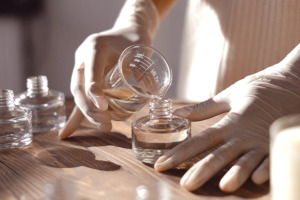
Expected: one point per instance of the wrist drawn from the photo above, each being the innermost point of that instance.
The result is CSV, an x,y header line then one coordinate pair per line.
x,y
292,61
141,15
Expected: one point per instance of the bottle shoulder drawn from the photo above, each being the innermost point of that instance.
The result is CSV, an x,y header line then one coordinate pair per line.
x,y
52,97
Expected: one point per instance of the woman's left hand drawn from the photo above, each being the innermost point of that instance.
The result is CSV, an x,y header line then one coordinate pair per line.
x,y
241,138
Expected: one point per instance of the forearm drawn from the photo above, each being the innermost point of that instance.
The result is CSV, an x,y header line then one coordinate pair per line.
x,y
164,7
146,15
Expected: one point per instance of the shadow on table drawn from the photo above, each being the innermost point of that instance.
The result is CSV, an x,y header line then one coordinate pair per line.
x,y
69,153
93,139
69,157
211,188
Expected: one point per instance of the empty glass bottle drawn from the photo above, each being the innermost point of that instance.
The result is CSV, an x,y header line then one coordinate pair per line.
x,y
160,131
47,105
15,122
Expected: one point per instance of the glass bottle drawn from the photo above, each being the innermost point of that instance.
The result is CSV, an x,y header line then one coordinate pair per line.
x,y
15,122
160,131
47,105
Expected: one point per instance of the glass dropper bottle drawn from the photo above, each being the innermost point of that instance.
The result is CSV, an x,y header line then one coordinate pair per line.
x,y
160,131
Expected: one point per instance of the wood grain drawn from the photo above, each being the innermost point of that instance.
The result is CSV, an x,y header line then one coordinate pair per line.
x,y
95,165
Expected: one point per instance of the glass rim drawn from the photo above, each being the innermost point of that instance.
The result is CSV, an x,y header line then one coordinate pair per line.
x,y
126,51
284,122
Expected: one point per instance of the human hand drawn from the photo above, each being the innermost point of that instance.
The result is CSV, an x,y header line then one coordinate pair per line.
x,y
136,24
240,139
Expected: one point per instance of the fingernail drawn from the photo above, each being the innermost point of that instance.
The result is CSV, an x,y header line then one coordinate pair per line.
x,y
187,183
163,163
184,179
161,159
228,182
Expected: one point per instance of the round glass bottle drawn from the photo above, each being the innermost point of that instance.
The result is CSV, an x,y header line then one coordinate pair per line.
x,y
15,122
160,131
47,105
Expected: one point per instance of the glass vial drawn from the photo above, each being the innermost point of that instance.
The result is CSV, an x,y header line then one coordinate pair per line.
x,y
160,131
15,122
47,105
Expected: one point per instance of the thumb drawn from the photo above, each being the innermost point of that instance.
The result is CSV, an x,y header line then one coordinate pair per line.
x,y
204,110
95,94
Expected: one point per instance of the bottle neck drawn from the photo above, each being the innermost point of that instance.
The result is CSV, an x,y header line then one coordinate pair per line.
x,y
37,85
161,109
6,99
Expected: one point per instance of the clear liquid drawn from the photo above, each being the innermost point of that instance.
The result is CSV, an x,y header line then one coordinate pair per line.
x,y
15,132
123,103
152,141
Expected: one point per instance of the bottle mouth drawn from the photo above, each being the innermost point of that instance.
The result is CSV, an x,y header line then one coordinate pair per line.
x,y
37,84
6,98
161,108
142,50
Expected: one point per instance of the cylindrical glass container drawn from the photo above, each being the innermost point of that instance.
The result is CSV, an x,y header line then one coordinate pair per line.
x,y
47,105
160,131
15,122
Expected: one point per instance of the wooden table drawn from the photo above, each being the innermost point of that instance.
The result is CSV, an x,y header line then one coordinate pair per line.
x,y
93,165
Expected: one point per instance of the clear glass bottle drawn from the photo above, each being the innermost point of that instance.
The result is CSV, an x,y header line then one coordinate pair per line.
x,y
160,131
47,105
15,122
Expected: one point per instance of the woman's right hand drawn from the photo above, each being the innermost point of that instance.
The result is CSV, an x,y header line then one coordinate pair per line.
x,y
98,54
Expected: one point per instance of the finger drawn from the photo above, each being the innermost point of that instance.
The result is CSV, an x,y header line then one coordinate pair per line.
x,y
95,94
262,173
77,117
241,171
94,77
206,168
102,120
189,149
204,110
95,66
87,107
72,124
78,88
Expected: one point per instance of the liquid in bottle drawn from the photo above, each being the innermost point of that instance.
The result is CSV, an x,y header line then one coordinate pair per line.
x,y
15,122
160,131
122,103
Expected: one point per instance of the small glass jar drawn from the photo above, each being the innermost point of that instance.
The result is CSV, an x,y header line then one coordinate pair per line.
x,y
47,105
160,131
15,122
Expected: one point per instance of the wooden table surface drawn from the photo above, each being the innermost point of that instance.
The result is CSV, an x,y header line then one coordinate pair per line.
x,y
94,165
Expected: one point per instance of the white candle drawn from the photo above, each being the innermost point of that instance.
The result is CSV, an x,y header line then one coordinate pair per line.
x,y
285,164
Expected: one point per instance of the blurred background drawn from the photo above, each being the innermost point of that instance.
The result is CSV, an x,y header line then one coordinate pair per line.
x,y
39,37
